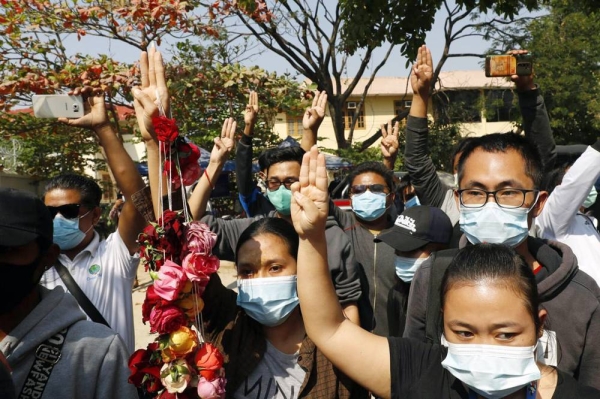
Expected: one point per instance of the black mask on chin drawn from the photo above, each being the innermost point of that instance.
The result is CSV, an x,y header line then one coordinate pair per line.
x,y
16,283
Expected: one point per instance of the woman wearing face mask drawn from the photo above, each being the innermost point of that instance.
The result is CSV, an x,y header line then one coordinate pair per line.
x,y
260,329
490,313
417,232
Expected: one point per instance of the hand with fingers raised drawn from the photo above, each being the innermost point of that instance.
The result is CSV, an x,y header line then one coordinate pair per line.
x,y
422,73
523,83
152,98
251,114
225,143
389,141
313,117
310,199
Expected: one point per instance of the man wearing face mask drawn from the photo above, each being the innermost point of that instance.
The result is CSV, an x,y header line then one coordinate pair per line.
x,y
52,350
563,218
104,270
429,188
417,232
500,179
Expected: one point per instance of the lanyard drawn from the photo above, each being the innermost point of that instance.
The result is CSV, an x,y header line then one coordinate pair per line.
x,y
531,391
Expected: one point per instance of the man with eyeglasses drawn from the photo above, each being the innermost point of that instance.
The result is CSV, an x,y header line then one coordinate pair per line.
x,y
500,179
103,269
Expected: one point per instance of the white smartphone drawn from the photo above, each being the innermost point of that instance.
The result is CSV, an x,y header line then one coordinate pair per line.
x,y
57,106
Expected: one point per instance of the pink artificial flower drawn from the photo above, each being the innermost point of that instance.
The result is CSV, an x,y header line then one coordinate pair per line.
x,y
170,282
214,389
199,238
199,267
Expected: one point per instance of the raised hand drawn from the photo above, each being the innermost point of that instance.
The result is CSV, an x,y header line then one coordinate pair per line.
x,y
251,114
422,73
389,142
224,144
94,109
522,83
313,117
153,95
310,199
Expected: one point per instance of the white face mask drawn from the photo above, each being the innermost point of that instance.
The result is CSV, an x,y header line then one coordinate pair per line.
x,y
492,371
406,267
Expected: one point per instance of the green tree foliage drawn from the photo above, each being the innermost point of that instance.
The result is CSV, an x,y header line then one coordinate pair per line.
x,y
566,47
208,86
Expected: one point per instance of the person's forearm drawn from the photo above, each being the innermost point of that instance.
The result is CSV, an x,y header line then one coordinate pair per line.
x,y
389,162
536,124
201,194
418,106
321,309
154,176
309,138
123,168
243,166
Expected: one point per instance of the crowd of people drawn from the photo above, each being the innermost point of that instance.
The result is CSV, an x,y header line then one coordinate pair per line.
x,y
484,289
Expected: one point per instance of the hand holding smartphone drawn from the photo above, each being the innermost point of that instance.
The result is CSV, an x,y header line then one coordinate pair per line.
x,y
57,106
508,65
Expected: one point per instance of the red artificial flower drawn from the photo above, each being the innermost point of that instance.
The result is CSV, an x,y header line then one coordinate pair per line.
x,y
165,128
189,153
141,364
209,361
165,319
190,174
151,300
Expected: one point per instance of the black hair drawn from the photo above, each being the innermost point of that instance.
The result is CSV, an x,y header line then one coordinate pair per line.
x,y
271,156
458,149
494,263
503,142
275,226
90,191
373,167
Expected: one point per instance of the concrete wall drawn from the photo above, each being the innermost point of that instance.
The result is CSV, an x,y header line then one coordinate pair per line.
x,y
19,182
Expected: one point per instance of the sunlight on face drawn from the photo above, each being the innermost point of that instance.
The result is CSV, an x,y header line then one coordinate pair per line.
x,y
487,313
265,255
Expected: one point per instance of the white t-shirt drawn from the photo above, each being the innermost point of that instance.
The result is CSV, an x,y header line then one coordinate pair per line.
x,y
277,376
104,270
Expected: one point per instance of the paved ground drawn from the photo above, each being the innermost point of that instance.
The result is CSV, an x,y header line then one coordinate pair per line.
x,y
142,332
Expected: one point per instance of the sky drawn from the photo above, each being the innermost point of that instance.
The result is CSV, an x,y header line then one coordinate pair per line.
x,y
395,66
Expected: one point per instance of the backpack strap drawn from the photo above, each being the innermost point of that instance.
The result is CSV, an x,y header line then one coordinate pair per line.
x,y
433,319
84,302
47,354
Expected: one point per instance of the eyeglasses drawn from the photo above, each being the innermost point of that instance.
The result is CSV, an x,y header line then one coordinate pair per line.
x,y
505,198
374,188
274,184
69,211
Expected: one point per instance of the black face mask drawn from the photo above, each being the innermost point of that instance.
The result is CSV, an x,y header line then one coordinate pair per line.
x,y
16,283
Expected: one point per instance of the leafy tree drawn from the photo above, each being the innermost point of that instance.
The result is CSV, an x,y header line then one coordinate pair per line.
x,y
316,38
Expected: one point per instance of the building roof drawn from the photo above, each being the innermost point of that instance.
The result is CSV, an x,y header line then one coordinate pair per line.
x,y
123,111
451,80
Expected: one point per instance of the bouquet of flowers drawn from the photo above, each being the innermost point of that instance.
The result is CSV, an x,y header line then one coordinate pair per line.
x,y
178,255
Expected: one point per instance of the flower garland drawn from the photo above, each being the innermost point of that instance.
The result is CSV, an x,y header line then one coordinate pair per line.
x,y
178,255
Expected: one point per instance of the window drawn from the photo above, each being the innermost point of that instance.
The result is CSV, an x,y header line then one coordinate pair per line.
x,y
457,106
106,183
294,126
350,109
500,106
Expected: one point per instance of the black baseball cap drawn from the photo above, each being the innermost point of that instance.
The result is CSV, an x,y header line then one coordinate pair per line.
x,y
418,226
23,218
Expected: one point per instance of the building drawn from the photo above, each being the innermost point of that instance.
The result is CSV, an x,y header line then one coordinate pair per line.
x,y
479,104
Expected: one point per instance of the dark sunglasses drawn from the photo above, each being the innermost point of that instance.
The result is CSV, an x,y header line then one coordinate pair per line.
x,y
374,188
69,211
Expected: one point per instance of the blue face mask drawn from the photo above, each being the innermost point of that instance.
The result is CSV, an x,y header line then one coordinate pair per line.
x,y
406,267
494,225
369,206
281,200
66,232
414,201
591,198
268,300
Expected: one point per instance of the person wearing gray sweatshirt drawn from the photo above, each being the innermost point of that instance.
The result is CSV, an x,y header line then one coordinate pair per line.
x,y
53,351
